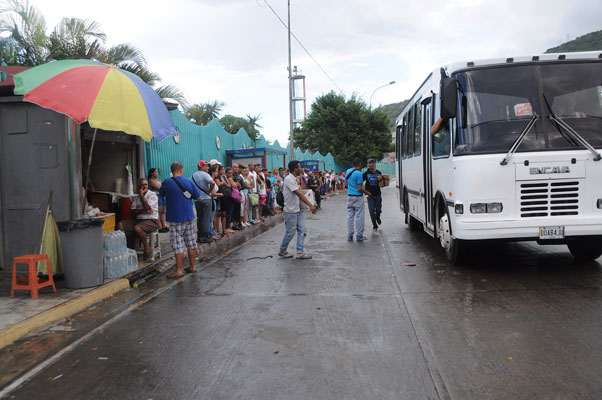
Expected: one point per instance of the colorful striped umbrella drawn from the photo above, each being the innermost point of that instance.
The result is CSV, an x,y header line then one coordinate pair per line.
x,y
107,97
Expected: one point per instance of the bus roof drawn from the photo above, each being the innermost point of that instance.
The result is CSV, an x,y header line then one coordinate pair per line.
x,y
464,65
582,55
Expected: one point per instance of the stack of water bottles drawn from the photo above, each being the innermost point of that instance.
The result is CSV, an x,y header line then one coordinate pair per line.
x,y
118,260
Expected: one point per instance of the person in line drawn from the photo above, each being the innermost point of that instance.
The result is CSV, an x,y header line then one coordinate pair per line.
x,y
268,209
222,203
236,182
179,192
276,183
293,216
154,184
203,206
314,182
254,191
247,185
262,191
145,210
215,202
355,201
227,200
372,177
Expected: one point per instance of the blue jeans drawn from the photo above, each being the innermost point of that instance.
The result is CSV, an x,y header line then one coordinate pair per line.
x,y
294,222
375,203
355,211
203,218
211,228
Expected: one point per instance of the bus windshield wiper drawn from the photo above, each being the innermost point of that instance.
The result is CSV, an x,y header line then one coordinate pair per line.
x,y
519,139
576,137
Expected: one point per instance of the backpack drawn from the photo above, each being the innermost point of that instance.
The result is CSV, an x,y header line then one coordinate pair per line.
x,y
225,190
280,198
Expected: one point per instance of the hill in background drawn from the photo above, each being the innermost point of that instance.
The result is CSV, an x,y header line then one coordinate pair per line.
x,y
588,42
393,110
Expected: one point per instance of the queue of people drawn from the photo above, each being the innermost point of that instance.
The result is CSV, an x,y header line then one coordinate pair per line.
x,y
227,199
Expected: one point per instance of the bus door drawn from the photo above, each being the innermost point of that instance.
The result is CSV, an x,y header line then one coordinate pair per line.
x,y
427,122
398,157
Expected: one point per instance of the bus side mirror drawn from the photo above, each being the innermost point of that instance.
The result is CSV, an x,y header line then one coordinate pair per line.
x,y
449,98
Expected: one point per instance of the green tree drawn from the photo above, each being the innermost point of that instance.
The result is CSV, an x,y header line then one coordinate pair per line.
x,y
26,43
345,128
203,113
233,124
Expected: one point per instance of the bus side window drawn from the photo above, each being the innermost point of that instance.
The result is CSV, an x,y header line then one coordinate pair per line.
x,y
410,133
442,141
417,128
398,142
404,134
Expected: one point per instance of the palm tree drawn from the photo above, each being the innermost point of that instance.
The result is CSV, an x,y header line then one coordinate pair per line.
x,y
75,38
26,27
253,125
203,113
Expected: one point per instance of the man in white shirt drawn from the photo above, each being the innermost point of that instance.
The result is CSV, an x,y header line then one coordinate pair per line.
x,y
293,217
254,189
145,208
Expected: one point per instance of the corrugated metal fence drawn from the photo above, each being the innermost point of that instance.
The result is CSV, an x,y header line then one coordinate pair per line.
x,y
211,142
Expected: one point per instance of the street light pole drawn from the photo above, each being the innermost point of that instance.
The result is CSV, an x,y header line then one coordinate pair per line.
x,y
380,87
290,89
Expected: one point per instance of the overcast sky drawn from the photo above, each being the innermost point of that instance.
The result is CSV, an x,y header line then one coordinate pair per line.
x,y
235,51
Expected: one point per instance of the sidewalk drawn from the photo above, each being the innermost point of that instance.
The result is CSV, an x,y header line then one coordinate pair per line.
x,y
22,315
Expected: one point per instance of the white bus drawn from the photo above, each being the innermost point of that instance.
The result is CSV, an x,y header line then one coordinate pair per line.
x,y
517,156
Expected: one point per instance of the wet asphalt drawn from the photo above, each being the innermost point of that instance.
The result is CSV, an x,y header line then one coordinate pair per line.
x,y
358,321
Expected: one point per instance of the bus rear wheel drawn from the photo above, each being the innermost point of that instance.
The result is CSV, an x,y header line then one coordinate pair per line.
x,y
455,249
585,248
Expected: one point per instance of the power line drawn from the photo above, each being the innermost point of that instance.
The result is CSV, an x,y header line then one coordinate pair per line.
x,y
301,44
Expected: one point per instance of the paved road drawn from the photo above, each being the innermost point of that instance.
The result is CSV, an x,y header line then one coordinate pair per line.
x,y
520,321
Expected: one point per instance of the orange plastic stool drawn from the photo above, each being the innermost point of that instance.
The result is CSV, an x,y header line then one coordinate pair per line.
x,y
32,279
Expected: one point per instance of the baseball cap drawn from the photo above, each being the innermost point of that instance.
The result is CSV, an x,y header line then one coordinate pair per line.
x,y
214,161
371,160
201,163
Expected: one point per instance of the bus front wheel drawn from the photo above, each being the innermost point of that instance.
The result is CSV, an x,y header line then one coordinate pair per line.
x,y
455,249
585,248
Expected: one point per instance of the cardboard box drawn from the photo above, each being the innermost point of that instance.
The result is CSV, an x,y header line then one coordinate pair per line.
x,y
384,182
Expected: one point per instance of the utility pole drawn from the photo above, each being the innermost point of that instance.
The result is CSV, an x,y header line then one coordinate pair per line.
x,y
290,88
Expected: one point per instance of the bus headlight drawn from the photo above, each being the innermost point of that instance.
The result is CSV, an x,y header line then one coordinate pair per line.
x,y
494,208
459,208
478,208
486,208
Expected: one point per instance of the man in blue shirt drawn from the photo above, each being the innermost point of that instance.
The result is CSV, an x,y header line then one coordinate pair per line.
x,y
179,193
205,183
372,177
355,201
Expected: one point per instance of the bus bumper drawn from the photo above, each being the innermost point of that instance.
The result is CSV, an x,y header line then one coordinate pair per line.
x,y
525,229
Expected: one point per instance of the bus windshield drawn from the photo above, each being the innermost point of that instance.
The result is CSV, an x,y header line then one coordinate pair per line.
x,y
495,105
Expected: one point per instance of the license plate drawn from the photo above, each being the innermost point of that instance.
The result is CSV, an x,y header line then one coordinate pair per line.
x,y
551,232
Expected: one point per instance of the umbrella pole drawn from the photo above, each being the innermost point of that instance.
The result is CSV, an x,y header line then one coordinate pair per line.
x,y
88,169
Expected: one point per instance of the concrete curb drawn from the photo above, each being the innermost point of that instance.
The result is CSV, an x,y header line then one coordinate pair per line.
x,y
70,307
